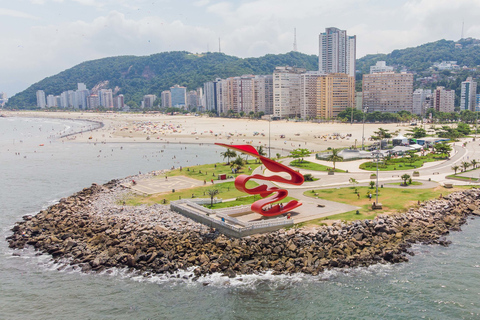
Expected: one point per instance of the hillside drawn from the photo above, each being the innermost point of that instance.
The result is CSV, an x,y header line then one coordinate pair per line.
x,y
421,58
137,76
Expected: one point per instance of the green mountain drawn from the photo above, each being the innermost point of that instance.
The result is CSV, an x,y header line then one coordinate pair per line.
x,y
421,58
135,76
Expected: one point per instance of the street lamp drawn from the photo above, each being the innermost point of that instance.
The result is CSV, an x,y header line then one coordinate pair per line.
x,y
363,129
269,139
377,156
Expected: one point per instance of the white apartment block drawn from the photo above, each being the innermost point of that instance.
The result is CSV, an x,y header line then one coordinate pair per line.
x,y
381,66
309,94
41,101
287,91
444,100
422,100
51,101
337,52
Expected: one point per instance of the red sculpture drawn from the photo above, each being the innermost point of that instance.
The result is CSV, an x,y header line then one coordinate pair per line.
x,y
262,206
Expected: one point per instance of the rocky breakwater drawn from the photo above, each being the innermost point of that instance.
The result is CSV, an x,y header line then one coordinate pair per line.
x,y
92,231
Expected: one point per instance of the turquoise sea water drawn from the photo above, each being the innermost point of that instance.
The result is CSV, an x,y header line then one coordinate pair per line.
x,y
437,283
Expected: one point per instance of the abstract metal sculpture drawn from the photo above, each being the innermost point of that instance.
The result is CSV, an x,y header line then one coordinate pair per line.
x,y
262,206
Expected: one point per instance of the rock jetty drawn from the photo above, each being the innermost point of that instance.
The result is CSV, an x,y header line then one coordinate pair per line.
x,y
93,230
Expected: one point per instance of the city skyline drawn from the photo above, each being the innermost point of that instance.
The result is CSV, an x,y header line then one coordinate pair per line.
x,y
48,36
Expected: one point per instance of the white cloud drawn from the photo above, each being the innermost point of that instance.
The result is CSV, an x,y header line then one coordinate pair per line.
x,y
16,14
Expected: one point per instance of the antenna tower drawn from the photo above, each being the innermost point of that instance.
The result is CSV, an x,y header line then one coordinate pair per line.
x,y
295,39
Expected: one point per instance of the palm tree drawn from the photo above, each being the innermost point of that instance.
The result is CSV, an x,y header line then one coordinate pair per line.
x,y
228,154
465,165
261,151
212,193
474,163
334,157
455,168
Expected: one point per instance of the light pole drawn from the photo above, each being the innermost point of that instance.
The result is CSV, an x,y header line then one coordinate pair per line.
x,y
377,205
363,128
269,139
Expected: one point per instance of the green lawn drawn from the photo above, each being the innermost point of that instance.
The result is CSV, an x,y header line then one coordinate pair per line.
x,y
211,171
226,190
401,163
414,183
392,199
307,165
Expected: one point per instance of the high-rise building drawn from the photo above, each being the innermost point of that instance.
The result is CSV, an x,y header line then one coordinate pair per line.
x,y
148,101
388,92
337,52
336,93
309,91
264,94
41,102
119,102
166,99
81,86
381,66
422,100
192,99
51,101
210,95
106,98
444,100
468,94
287,91
179,96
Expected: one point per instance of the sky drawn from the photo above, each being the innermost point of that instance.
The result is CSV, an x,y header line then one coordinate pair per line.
x,y
41,38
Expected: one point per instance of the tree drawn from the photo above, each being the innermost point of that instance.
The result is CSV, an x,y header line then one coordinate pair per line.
x,y
299,153
353,181
405,177
465,165
261,151
443,148
474,163
417,132
334,157
381,134
212,193
228,154
455,168
238,162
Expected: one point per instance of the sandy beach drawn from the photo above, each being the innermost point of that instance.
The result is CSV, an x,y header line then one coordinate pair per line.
x,y
280,134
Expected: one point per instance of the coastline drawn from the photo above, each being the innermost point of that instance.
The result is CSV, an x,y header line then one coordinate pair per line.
x,y
93,231
156,128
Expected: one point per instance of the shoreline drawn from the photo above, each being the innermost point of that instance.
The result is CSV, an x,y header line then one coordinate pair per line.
x,y
278,135
94,232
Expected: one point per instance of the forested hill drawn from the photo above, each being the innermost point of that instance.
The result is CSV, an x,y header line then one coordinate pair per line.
x,y
421,58
137,76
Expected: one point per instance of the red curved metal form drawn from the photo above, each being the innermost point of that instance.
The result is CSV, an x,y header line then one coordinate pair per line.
x,y
264,206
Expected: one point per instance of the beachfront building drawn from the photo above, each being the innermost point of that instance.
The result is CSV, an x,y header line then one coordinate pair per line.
x,y
179,96
381,66
192,99
444,100
337,52
336,93
468,95
309,92
388,92
93,101
422,100
106,98
51,101
148,101
210,95
287,91
41,101
166,99
3,98
119,102
263,94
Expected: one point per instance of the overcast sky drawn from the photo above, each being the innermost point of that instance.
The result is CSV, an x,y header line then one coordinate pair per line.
x,y
40,38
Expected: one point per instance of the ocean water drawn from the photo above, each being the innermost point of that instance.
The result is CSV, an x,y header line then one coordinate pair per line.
x,y
437,283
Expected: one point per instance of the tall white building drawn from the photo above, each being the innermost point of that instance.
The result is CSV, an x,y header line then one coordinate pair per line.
x,y
287,91
51,101
337,52
41,102
468,95
422,100
166,99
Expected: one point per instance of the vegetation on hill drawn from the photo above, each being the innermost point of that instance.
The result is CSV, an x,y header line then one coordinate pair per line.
x,y
135,76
